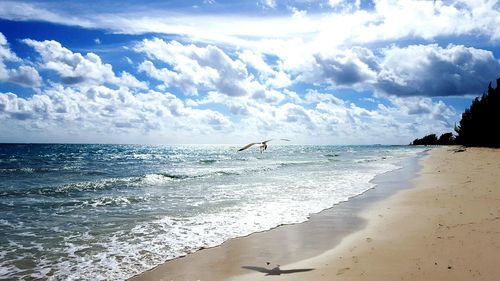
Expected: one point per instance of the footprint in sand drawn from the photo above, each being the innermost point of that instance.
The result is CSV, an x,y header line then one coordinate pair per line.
x,y
355,259
341,271
369,240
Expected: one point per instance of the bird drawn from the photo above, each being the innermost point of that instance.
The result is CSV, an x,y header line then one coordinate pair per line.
x,y
262,145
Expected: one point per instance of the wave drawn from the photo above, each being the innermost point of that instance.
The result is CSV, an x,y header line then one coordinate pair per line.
x,y
58,206
73,187
329,155
371,159
152,179
64,169
111,201
27,170
208,161
111,183
162,177
96,185
299,163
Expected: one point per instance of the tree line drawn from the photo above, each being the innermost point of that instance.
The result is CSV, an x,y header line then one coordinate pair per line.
x,y
479,126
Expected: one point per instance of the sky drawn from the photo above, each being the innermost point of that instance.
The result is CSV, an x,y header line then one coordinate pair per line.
x,y
233,72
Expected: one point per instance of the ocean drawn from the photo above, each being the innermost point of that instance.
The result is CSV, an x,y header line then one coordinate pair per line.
x,y
101,212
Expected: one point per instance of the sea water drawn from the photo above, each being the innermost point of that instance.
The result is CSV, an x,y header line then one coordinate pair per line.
x,y
100,212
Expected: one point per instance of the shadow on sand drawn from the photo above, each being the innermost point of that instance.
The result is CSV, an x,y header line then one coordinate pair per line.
x,y
276,270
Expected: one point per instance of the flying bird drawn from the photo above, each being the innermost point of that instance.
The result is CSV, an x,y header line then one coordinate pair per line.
x,y
262,145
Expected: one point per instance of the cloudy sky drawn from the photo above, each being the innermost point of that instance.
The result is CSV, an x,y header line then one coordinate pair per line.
x,y
224,71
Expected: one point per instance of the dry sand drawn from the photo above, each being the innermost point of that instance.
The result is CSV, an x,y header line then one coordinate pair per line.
x,y
446,227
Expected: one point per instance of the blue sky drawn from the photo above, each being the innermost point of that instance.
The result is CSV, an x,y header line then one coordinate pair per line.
x,y
212,71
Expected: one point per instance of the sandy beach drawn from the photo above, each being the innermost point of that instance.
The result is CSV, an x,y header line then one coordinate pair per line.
x,y
446,226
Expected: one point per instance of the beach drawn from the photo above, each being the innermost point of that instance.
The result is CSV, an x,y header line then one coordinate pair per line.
x,y
444,224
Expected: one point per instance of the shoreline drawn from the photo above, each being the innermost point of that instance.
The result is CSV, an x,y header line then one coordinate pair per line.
x,y
289,243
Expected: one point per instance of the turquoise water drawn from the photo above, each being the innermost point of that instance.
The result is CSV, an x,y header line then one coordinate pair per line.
x,y
100,212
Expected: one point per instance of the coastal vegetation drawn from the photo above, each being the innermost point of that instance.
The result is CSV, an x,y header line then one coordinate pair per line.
x,y
432,139
479,126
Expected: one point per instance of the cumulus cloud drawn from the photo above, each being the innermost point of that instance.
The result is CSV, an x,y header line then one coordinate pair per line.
x,y
193,68
23,75
270,77
430,70
101,111
269,3
418,116
261,85
342,69
395,19
5,52
327,118
415,70
76,69
345,5
104,112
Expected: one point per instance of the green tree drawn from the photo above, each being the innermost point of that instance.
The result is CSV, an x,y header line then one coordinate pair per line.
x,y
480,123
446,139
427,140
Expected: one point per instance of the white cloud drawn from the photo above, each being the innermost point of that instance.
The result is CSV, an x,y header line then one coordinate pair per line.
x,y
99,111
297,13
23,75
102,112
255,60
270,77
324,118
340,68
430,70
269,3
121,116
345,5
389,20
167,77
76,69
194,68
416,116
313,96
415,70
430,19
246,88
5,52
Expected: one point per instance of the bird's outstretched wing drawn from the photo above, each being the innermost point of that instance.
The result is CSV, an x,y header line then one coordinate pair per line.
x,y
285,139
247,146
264,142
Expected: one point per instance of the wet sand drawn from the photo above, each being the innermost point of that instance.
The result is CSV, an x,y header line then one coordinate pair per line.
x,y
445,227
